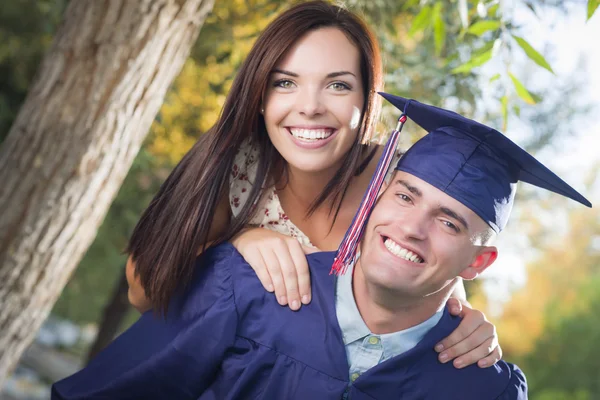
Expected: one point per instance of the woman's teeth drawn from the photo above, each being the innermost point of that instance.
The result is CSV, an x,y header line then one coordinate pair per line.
x,y
398,251
311,134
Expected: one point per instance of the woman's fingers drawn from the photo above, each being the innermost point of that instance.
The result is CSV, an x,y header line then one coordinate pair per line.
x,y
289,273
274,269
299,259
474,340
255,259
454,305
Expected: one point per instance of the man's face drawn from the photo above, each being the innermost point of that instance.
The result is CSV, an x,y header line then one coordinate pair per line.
x,y
418,239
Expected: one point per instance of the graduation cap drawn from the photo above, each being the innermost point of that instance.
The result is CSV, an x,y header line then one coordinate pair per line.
x,y
469,161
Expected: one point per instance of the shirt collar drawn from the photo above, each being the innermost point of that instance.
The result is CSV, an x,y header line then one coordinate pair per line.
x,y
351,323
354,328
398,342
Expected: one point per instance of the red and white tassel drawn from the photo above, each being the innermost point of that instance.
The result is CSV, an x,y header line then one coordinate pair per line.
x,y
347,250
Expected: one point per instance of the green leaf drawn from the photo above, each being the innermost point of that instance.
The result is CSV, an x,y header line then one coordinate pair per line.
x,y
591,8
475,61
517,110
533,54
536,97
439,28
483,49
494,78
521,90
493,9
421,21
504,101
481,27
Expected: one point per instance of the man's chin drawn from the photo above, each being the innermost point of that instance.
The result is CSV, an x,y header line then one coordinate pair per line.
x,y
392,282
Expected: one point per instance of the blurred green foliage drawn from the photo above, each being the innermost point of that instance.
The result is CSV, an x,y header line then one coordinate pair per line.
x,y
551,325
26,31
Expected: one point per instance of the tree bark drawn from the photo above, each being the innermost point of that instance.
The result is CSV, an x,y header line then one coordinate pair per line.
x,y
84,120
113,315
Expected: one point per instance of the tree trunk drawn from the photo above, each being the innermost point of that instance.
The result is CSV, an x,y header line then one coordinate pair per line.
x,y
112,317
84,120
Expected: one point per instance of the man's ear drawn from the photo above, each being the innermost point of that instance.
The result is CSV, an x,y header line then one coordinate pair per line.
x,y
485,257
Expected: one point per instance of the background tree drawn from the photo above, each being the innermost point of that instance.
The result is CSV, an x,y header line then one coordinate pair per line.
x,y
73,141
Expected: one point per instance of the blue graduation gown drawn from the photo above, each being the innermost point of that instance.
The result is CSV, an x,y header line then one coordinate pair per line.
x,y
227,338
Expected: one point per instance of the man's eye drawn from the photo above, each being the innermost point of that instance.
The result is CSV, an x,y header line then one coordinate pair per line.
x,y
404,197
451,226
284,84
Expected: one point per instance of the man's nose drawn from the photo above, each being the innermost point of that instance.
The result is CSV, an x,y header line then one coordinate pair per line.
x,y
414,225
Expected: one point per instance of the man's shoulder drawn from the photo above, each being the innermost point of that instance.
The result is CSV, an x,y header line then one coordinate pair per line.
x,y
210,283
503,380
500,381
221,253
516,389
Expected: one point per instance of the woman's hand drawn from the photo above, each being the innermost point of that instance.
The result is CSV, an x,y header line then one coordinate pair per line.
x,y
280,263
475,339
136,293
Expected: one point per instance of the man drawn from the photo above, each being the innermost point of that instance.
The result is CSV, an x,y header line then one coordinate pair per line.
x,y
368,334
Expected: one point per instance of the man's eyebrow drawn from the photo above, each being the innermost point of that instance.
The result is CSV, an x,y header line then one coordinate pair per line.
x,y
455,216
410,188
329,76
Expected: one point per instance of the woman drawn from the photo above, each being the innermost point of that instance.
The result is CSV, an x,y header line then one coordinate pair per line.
x,y
290,137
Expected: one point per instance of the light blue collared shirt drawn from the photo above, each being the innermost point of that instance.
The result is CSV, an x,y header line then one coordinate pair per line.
x,y
364,349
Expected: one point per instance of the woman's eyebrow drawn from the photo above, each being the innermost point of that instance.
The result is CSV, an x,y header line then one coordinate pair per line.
x,y
295,75
284,72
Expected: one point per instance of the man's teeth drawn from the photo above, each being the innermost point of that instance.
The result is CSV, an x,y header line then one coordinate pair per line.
x,y
398,251
311,134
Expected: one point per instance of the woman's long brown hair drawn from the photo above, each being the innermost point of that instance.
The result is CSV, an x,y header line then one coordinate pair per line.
x,y
176,224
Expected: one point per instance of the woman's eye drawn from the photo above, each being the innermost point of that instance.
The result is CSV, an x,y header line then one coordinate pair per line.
x,y
339,86
284,84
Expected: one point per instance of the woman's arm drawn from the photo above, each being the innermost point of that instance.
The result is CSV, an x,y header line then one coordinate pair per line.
x,y
137,294
475,340
279,262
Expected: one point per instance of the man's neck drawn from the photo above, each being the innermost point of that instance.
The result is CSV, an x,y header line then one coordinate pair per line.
x,y
387,312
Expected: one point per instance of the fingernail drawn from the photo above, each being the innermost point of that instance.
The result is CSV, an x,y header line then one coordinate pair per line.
x,y
458,363
443,357
439,347
270,288
305,299
295,305
283,300
483,363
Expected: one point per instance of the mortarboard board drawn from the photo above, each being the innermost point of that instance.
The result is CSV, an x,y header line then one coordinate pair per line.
x,y
469,161
473,163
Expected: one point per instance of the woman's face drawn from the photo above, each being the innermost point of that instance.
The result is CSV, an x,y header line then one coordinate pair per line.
x,y
314,100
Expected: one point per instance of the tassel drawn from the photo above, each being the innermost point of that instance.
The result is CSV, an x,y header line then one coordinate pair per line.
x,y
347,250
